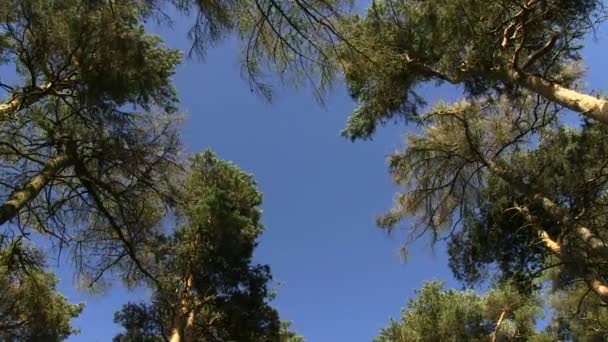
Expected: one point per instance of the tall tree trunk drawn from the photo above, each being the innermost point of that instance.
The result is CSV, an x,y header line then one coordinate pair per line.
x,y
183,320
21,197
590,106
584,104
594,281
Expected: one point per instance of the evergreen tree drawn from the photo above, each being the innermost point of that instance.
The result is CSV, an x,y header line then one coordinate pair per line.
x,y
209,289
502,314
286,335
518,194
485,48
88,130
31,309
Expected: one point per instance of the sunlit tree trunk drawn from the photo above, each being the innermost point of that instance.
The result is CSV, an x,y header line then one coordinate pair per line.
x,y
594,281
21,197
21,99
183,321
587,105
498,325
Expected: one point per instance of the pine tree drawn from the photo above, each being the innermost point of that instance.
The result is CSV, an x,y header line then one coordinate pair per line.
x,y
31,309
209,289
435,314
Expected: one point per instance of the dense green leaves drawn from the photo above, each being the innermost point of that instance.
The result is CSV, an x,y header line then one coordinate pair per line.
x,y
287,335
205,268
89,158
486,47
88,131
31,309
519,195
141,323
448,315
96,52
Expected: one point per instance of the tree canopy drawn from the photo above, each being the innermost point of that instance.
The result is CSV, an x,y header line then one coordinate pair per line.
x,y
208,287
502,314
89,153
501,47
91,161
31,309
516,190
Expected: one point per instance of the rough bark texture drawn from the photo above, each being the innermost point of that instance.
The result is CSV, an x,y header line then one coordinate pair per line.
x,y
21,197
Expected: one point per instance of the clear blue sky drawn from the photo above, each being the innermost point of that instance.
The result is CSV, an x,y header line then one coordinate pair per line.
x,y
341,278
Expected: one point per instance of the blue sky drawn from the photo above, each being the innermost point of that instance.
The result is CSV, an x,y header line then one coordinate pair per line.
x,y
340,277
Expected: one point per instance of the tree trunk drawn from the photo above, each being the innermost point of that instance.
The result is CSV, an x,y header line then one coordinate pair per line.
x,y
21,197
584,104
498,325
581,103
594,281
10,106
596,245
183,321
19,100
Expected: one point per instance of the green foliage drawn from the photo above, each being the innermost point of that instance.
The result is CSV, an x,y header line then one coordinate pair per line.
x,y
95,91
519,196
564,165
448,315
286,335
578,315
218,223
401,45
31,309
474,175
100,51
294,40
89,157
140,322
438,315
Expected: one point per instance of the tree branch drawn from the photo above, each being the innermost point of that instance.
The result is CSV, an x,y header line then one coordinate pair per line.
x,y
23,196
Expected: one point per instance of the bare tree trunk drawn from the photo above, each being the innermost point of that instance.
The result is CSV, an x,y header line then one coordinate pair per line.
x,y
584,104
594,282
21,197
498,325
19,100
183,320
10,106
581,103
